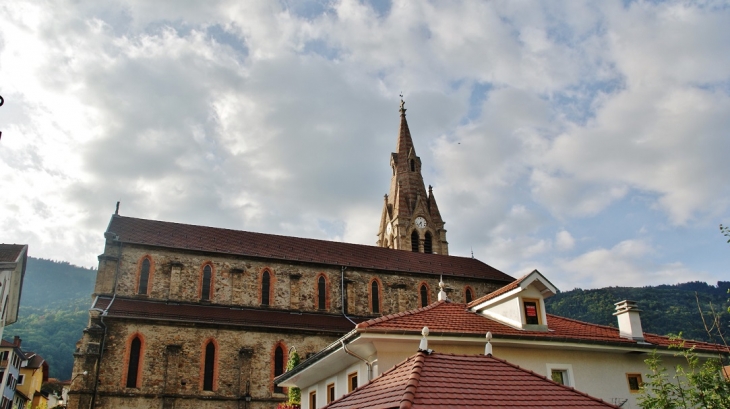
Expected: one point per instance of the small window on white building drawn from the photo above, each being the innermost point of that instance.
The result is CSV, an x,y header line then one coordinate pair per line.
x,y
634,380
330,392
313,400
561,373
351,382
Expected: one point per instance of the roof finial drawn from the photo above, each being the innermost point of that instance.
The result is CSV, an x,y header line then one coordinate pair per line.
x,y
116,212
442,293
424,342
402,109
472,252
488,347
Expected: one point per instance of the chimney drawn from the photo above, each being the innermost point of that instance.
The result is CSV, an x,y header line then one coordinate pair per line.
x,y
17,341
629,320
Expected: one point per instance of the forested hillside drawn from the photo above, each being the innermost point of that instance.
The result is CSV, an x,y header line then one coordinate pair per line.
x,y
54,308
666,309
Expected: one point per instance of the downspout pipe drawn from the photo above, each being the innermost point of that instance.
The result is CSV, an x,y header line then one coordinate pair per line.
x,y
367,363
101,320
342,295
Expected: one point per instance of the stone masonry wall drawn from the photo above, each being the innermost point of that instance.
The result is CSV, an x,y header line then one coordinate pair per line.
x,y
172,362
176,275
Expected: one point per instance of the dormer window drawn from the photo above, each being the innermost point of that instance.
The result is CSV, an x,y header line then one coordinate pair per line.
x,y
532,311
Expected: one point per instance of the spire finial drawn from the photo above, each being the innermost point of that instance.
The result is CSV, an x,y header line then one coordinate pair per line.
x,y
472,252
442,293
402,109
116,212
424,342
488,347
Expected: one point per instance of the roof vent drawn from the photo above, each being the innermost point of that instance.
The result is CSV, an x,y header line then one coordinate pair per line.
x,y
629,320
442,293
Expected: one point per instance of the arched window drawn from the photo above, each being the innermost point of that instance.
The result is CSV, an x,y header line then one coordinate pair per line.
x,y
278,366
414,241
265,287
375,297
413,165
427,247
135,349
321,293
424,295
144,276
209,366
207,278
468,296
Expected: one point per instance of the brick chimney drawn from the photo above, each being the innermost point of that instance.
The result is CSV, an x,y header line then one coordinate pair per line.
x,y
17,341
629,320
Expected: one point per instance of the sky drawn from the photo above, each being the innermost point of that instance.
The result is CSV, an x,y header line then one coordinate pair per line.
x,y
588,140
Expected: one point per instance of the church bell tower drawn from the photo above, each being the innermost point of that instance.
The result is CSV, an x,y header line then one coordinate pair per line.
x,y
411,219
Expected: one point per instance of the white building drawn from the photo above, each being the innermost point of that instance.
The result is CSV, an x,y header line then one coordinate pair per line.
x,y
604,362
13,259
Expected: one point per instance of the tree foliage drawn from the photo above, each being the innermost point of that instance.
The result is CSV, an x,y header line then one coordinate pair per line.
x,y
696,384
54,305
295,395
666,309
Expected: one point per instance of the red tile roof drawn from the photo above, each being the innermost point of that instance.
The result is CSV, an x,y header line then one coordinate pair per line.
x,y
496,293
222,315
444,317
236,242
463,381
9,252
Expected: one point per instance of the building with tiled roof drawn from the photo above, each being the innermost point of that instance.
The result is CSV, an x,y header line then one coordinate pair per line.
x,y
13,258
435,380
188,316
605,362
33,373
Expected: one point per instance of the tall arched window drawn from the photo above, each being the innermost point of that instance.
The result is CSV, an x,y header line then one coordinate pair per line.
x,y
207,278
278,366
427,246
414,241
209,366
144,276
265,287
424,295
468,296
375,297
321,293
135,349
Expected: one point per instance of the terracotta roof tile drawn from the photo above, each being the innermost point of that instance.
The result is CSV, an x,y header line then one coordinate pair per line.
x,y
223,315
464,381
236,242
9,252
507,288
455,318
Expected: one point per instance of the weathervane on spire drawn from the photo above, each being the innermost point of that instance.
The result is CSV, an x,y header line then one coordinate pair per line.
x,y
402,109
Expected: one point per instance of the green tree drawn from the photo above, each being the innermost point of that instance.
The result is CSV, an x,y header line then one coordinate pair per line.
x,y
694,385
295,395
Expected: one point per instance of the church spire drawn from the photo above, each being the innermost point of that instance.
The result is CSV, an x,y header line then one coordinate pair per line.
x,y
410,219
405,142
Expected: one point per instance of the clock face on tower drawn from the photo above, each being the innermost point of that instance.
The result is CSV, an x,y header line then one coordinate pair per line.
x,y
389,229
420,222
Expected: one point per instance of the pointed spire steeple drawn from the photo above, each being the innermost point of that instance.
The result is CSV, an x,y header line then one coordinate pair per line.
x,y
414,222
405,142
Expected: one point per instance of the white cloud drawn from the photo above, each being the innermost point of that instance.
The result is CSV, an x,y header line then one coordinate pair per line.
x,y
280,117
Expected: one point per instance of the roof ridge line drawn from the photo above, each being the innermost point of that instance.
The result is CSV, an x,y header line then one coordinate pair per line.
x,y
414,379
388,317
570,388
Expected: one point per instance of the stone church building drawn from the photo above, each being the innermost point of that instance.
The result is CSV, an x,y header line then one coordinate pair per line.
x,y
190,317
